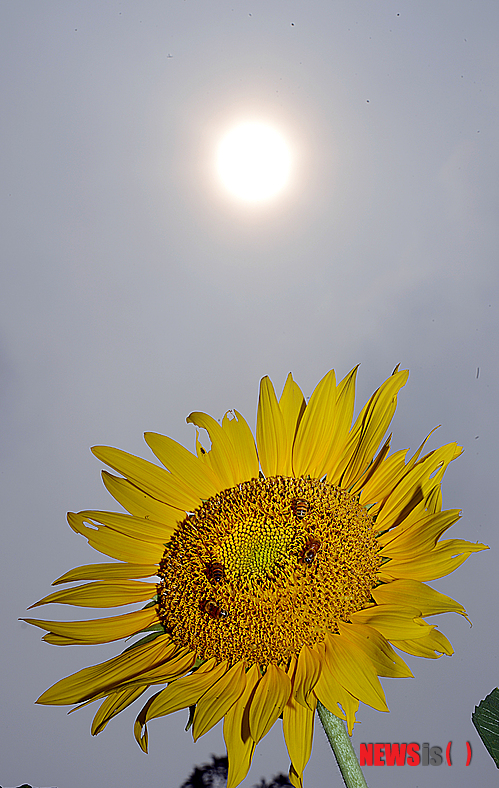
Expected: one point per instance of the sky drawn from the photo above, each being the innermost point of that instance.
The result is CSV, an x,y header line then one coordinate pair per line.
x,y
134,289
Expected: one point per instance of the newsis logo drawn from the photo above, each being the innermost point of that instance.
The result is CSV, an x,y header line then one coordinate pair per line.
x,y
403,754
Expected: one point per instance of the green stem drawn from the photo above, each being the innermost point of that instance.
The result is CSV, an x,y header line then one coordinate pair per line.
x,y
342,747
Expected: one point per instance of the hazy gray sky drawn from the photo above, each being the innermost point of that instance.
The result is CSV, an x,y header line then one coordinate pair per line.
x,y
134,290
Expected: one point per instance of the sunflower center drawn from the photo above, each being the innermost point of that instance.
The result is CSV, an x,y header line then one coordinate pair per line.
x,y
257,545
262,568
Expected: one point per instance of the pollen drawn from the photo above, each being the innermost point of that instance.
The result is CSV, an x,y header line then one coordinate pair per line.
x,y
263,568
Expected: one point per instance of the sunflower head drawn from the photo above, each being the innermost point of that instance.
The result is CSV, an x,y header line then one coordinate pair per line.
x,y
262,568
275,573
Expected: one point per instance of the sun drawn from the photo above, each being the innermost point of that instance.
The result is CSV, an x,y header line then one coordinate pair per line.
x,y
254,161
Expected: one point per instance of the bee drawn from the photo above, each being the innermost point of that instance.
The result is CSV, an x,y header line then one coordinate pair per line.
x,y
300,508
310,551
214,571
212,610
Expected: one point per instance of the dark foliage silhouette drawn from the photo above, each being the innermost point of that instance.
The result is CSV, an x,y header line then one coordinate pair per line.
x,y
214,775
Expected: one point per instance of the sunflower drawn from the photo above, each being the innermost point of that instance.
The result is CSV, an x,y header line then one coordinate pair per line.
x,y
279,574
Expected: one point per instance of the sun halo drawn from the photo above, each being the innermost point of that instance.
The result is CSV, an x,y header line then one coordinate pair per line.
x,y
253,161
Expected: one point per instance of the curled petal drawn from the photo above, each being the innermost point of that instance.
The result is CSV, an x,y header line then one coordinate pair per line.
x,y
113,705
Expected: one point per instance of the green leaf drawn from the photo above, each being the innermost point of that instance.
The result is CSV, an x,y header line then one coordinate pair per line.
x,y
153,628
486,720
152,603
143,641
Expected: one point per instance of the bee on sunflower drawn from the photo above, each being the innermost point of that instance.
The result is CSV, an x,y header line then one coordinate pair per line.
x,y
279,575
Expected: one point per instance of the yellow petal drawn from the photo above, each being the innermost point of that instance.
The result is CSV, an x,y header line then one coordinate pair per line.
x,y
243,444
298,728
431,646
383,482
386,662
137,527
273,449
433,500
409,592
92,681
333,696
413,513
60,640
307,674
373,468
240,745
102,594
268,701
107,572
184,465
217,701
222,457
345,401
354,670
291,669
369,429
435,558
180,694
389,474
140,729
443,559
419,537
113,705
179,664
139,503
313,437
416,484
150,478
292,404
158,704
393,621
115,544
100,630
294,778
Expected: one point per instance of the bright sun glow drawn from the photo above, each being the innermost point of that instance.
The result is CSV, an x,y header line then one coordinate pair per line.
x,y
254,161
